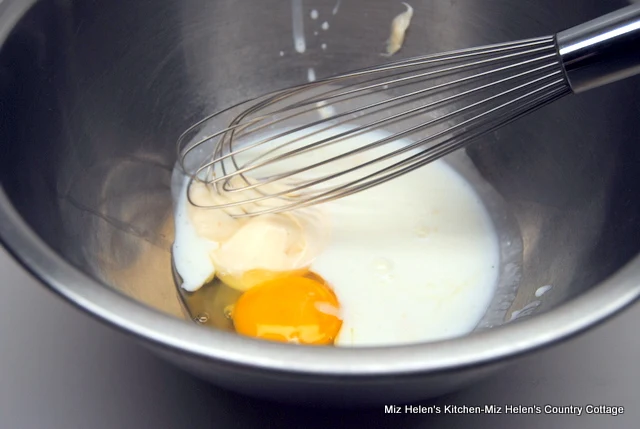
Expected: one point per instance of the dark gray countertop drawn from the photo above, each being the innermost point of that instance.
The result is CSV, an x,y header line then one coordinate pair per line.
x,y
60,369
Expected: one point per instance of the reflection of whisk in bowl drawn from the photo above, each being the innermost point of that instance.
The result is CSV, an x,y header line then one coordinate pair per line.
x,y
438,102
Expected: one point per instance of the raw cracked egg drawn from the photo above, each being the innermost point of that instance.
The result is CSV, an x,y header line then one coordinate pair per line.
x,y
412,260
298,310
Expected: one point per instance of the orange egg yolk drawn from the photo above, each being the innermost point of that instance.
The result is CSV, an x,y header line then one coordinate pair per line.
x,y
299,310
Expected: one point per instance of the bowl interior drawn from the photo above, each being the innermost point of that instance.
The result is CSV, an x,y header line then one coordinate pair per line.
x,y
94,96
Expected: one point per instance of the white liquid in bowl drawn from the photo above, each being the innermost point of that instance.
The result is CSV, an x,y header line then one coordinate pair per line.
x,y
413,260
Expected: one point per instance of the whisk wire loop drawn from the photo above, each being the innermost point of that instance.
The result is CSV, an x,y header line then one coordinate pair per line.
x,y
337,136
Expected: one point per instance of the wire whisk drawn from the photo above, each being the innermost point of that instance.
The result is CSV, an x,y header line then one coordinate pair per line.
x,y
331,138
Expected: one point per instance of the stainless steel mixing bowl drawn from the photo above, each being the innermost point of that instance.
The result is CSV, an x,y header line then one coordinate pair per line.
x,y
93,95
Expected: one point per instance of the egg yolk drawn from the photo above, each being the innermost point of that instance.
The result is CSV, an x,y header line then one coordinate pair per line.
x,y
296,310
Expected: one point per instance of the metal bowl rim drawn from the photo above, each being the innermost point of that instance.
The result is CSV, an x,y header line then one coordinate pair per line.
x,y
585,311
